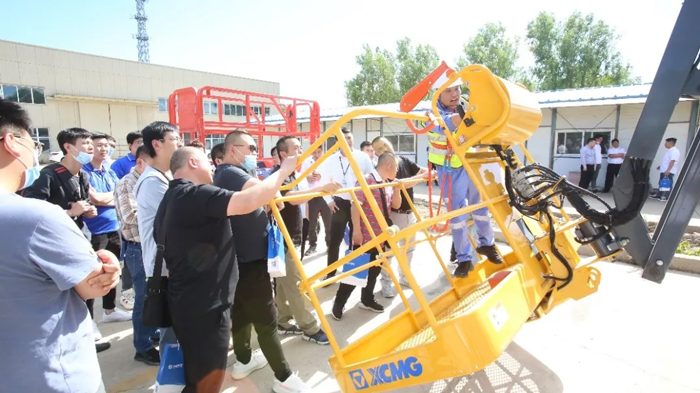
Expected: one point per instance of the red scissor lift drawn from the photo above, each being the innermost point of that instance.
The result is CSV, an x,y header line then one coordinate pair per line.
x,y
186,111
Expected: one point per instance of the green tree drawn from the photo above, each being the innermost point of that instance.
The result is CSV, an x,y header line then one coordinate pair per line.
x,y
376,81
384,76
492,48
415,63
580,52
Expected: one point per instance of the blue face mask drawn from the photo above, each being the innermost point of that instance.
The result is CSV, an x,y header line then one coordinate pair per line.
x,y
31,173
250,163
111,151
83,158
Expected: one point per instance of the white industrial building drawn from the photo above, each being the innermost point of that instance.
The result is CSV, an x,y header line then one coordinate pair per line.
x,y
62,89
569,117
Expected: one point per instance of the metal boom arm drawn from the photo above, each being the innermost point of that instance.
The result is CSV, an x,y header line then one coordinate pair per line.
x,y
677,76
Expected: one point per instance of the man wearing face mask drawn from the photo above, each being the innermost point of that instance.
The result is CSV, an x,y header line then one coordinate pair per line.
x,y
47,271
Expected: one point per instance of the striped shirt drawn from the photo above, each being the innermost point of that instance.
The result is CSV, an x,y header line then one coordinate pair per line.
x,y
125,204
372,178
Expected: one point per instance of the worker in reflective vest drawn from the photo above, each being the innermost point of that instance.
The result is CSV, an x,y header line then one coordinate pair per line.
x,y
462,191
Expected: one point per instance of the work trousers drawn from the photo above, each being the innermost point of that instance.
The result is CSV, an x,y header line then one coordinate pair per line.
x,y
318,205
110,241
464,193
134,260
339,221
610,175
253,306
204,339
586,176
594,177
345,290
290,303
127,280
401,220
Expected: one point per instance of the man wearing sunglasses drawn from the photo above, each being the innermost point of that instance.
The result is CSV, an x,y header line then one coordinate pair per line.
x,y
47,271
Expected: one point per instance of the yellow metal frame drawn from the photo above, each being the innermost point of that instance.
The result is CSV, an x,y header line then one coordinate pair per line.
x,y
471,324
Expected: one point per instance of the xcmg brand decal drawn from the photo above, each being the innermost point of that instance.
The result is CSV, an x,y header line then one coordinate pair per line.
x,y
386,373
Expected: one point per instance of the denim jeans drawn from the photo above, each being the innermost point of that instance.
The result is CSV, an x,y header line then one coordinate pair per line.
x,y
142,334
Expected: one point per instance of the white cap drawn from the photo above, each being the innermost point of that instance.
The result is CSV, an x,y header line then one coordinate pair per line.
x,y
443,79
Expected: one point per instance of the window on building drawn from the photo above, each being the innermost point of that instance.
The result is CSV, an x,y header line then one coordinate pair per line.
x,y
23,94
570,142
403,143
41,135
211,108
213,140
267,111
162,105
227,109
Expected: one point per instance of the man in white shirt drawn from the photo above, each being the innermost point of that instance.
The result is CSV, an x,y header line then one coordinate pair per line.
x,y
598,162
337,169
367,147
588,162
669,167
616,155
316,205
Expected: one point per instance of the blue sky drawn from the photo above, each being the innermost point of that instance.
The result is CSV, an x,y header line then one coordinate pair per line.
x,y
309,46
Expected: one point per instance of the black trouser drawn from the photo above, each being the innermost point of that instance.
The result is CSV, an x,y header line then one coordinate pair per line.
x,y
339,220
204,342
345,290
317,205
112,242
586,176
253,306
610,175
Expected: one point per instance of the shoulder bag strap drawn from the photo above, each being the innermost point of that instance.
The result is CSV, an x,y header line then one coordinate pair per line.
x,y
386,211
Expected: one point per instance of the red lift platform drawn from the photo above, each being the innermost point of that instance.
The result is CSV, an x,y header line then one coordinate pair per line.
x,y
227,109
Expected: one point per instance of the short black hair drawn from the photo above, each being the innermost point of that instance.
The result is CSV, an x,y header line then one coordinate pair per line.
x,y
598,136
282,144
99,135
232,137
141,151
111,138
365,144
133,137
384,157
217,152
590,139
345,130
70,136
672,140
14,119
273,151
614,140
155,132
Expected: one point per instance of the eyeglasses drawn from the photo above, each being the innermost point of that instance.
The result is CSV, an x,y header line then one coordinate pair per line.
x,y
252,148
36,147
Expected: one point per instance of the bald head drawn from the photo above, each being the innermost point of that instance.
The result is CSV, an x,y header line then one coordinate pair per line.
x,y
387,165
182,156
191,163
234,137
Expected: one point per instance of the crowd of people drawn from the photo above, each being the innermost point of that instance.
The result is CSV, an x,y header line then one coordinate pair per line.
x,y
67,226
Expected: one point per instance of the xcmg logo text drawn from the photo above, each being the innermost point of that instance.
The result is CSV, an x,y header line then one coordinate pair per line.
x,y
386,373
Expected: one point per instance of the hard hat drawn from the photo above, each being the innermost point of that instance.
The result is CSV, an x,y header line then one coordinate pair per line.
x,y
444,78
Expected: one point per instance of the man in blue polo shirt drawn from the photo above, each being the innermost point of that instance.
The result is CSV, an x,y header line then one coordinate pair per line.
x,y
105,226
122,166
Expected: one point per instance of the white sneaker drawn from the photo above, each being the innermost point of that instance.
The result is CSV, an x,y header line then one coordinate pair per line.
x,y
257,361
293,384
118,315
96,334
387,290
404,282
127,299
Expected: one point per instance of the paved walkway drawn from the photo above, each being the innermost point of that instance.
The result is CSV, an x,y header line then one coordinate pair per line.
x,y
631,336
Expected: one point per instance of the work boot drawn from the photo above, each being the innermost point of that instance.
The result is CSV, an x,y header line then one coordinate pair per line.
x,y
491,253
463,269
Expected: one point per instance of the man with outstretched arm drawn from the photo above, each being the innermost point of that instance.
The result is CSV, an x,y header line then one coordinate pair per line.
x,y
200,256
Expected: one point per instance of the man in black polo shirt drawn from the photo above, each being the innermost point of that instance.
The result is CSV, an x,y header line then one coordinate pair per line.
x,y
403,216
253,304
290,303
201,259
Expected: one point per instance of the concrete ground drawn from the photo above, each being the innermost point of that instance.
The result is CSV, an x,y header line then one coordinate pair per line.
x,y
631,336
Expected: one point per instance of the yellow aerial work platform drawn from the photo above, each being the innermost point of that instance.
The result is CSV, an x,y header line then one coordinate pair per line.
x,y
473,322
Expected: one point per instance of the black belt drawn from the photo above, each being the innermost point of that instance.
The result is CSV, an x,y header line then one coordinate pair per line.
x,y
400,211
131,242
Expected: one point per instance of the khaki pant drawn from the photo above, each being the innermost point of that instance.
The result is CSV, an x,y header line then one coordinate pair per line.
x,y
290,303
402,221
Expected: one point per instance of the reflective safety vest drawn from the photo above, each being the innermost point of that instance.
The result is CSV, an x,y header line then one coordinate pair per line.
x,y
437,151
